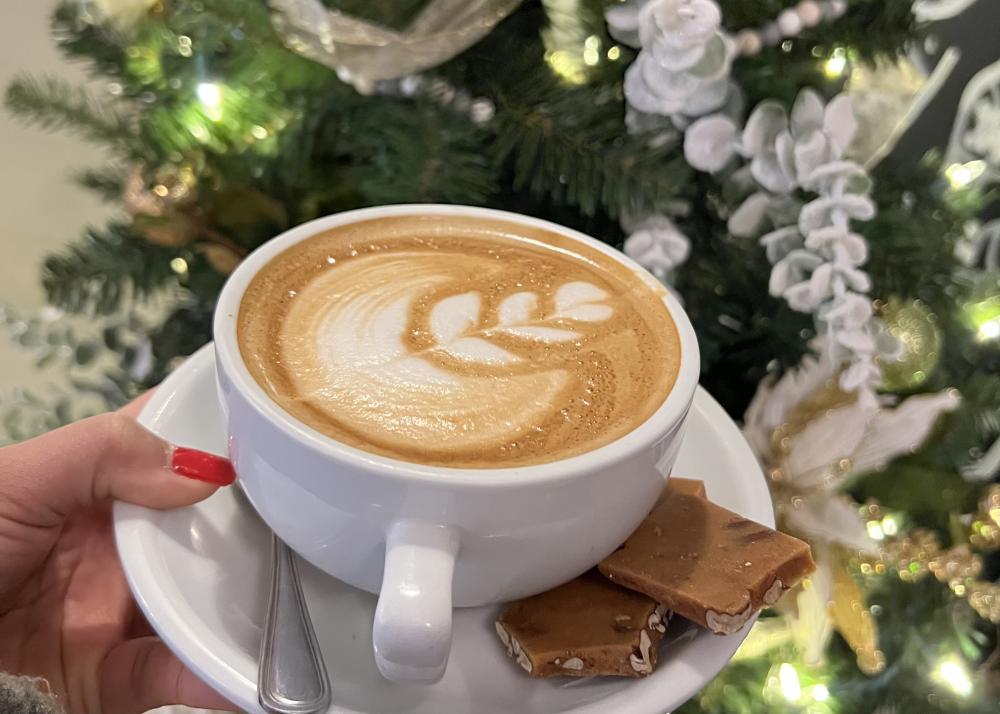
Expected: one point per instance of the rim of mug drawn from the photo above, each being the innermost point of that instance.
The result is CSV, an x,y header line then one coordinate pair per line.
x,y
666,417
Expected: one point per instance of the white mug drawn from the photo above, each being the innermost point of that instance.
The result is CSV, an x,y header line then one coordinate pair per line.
x,y
427,538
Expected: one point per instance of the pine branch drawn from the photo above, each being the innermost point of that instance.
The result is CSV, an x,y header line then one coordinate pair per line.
x,y
104,269
912,235
563,143
105,182
573,162
423,152
55,104
98,46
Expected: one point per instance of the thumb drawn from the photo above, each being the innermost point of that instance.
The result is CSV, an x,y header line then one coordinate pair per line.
x,y
143,674
106,456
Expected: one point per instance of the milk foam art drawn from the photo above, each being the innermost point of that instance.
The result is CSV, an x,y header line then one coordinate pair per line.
x,y
447,349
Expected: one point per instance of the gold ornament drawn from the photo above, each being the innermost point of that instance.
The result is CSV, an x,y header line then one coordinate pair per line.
x,y
161,207
165,212
985,528
918,554
984,598
169,187
853,620
957,567
915,328
909,557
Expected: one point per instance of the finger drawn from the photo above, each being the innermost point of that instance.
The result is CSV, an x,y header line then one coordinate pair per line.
x,y
133,408
143,674
107,456
139,626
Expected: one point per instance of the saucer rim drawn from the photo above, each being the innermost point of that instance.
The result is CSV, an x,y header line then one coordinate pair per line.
x,y
134,524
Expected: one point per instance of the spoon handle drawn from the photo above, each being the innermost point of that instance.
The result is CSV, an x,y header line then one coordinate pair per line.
x,y
291,678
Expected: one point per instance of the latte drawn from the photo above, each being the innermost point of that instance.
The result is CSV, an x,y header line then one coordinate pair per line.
x,y
454,341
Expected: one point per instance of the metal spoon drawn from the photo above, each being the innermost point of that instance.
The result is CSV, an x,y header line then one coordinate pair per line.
x,y
291,678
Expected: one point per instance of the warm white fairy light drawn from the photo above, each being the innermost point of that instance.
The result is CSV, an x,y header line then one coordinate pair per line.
x,y
834,67
210,94
820,693
953,674
788,679
890,526
875,530
179,266
989,330
961,175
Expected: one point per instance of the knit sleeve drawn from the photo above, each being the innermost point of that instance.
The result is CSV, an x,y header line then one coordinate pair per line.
x,y
26,695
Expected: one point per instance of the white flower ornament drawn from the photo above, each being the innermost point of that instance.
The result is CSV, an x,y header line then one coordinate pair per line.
x,y
623,21
836,445
710,142
683,66
657,245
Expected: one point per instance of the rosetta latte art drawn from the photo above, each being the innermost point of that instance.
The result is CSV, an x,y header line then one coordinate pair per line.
x,y
456,357
356,362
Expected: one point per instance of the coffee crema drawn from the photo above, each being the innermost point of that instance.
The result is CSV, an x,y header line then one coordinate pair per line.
x,y
458,341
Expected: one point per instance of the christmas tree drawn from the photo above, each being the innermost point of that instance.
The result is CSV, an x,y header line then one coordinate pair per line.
x,y
847,301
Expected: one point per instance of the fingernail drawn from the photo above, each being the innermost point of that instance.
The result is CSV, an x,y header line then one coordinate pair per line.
x,y
202,466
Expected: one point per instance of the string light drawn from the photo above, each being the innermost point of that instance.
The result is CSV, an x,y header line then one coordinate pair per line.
x,y
614,53
179,266
989,330
807,690
952,674
890,526
984,317
210,95
788,679
879,529
961,175
566,65
836,64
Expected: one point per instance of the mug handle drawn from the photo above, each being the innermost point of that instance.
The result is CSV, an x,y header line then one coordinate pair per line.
x,y
412,629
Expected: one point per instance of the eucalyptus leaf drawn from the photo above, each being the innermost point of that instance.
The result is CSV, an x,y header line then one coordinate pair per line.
x,y
64,411
85,353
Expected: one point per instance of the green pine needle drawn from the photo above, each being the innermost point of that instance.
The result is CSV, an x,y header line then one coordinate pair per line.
x,y
575,151
106,182
57,104
104,270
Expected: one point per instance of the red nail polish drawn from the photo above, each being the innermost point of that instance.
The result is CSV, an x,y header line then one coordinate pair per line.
x,y
202,466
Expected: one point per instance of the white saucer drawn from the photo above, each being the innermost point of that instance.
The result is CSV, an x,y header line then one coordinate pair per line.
x,y
199,575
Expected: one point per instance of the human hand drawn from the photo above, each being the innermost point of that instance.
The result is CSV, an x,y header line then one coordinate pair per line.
x,y
66,613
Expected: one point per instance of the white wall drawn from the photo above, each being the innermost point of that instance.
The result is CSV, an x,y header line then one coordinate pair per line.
x,y
40,208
